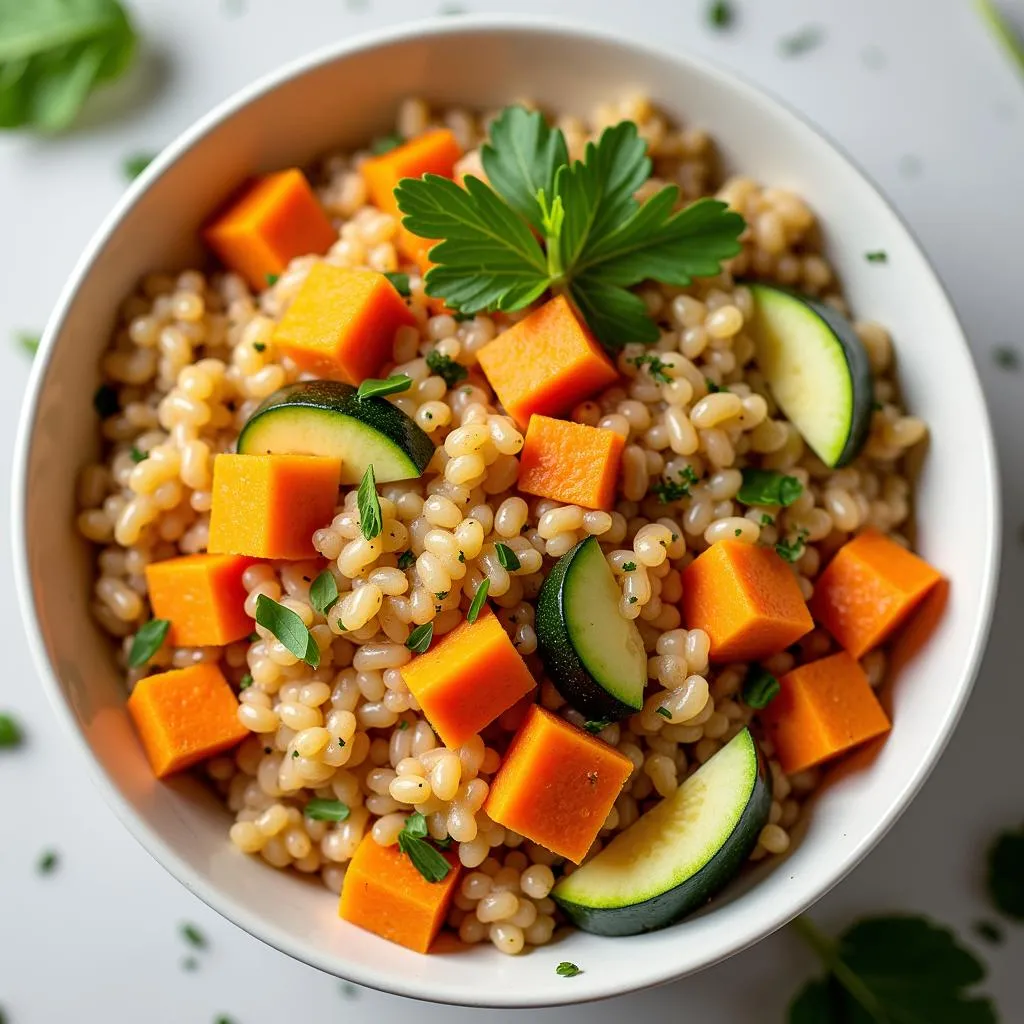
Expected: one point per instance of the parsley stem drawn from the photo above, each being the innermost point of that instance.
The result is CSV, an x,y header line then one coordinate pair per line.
x,y
827,951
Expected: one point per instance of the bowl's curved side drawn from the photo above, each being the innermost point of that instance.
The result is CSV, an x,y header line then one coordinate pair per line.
x,y
487,61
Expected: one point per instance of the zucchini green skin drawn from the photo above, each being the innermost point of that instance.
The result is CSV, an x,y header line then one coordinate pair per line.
x,y
397,447
673,904
857,364
558,652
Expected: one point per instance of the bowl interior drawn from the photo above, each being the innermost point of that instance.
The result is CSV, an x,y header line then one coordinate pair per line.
x,y
340,99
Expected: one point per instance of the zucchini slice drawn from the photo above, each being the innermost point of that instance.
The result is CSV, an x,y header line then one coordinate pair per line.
x,y
678,854
324,417
594,656
817,370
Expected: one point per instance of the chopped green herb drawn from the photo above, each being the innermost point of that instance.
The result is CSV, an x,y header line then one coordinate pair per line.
x,y
674,490
55,55
193,936
385,143
543,222
878,256
889,969
341,743
147,641
289,629
631,599
348,990
245,682
1004,32
48,861
420,637
400,282
323,592
137,455
1006,873
655,367
10,732
442,594
413,842
477,604
392,386
371,521
801,42
106,402
989,931
664,712
629,566
462,557
295,753
406,560
272,279
28,341
597,725
713,386
792,550
760,688
767,487
720,14
321,809
402,725
567,970
507,557
134,165
446,368
259,346
1006,358
767,520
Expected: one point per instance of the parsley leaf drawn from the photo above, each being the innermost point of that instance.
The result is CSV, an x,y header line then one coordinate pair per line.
x,y
878,256
477,605
888,969
28,341
664,712
412,841
321,809
147,641
673,490
137,455
289,629
10,732
420,637
629,566
720,14
406,560
760,688
135,164
507,557
371,521
766,487
48,861
594,726
567,970
446,368
400,282
193,936
792,550
323,592
394,384
1006,873
655,367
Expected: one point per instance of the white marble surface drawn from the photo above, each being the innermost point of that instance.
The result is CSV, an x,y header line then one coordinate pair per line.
x,y
918,93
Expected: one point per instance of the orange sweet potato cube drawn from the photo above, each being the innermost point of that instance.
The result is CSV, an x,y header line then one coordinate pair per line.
x,y
434,152
822,710
547,363
746,599
342,323
202,597
185,716
556,784
275,219
570,462
268,506
468,678
868,589
385,894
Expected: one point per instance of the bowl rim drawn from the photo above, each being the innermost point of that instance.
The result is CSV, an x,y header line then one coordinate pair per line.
x,y
151,841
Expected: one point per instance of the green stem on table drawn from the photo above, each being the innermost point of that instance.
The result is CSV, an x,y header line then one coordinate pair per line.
x,y
1002,30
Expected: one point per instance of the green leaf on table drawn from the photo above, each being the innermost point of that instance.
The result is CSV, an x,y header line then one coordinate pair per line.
x,y
192,935
134,165
28,341
53,53
891,970
147,641
10,732
289,629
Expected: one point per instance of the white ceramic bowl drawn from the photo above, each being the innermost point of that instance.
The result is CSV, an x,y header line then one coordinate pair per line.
x,y
342,96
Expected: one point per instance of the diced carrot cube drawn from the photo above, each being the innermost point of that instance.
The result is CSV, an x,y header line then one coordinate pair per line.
x,y
274,220
570,462
546,363
342,323
185,716
268,506
746,599
822,709
386,895
868,589
556,784
202,597
434,152
467,679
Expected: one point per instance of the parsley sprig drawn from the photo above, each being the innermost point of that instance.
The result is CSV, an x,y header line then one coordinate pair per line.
x,y
545,223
